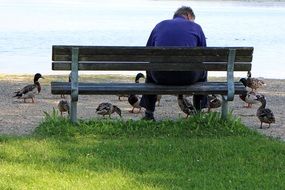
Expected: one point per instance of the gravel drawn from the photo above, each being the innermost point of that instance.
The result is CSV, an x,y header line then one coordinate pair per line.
x,y
19,118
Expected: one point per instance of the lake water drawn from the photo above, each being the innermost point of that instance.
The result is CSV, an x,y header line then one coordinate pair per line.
x,y
30,27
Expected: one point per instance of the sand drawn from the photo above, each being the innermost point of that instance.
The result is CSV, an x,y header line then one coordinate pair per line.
x,y
19,118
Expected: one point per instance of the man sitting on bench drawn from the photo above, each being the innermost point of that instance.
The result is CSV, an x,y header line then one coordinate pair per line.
x,y
180,31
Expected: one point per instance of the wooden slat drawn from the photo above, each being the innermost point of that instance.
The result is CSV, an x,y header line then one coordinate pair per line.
x,y
139,66
158,54
154,58
142,88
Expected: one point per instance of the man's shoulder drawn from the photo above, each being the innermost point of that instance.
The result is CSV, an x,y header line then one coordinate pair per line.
x,y
165,21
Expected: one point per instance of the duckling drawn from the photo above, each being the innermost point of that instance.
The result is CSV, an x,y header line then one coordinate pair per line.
x,y
63,106
213,102
185,105
69,80
108,109
265,115
29,91
249,98
252,83
134,99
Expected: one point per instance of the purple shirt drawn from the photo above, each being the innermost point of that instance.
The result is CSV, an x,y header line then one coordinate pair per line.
x,y
177,32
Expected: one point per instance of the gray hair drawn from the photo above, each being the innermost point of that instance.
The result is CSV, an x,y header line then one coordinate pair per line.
x,y
184,11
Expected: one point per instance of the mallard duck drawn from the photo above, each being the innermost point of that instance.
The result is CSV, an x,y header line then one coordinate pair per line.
x,y
29,95
135,103
252,83
29,91
213,102
108,109
137,78
63,106
134,99
186,106
249,98
265,115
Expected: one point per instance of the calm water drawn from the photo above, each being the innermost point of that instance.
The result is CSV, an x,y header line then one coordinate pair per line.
x,y
30,27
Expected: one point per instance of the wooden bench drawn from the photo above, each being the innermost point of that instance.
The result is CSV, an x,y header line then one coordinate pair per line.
x,y
118,58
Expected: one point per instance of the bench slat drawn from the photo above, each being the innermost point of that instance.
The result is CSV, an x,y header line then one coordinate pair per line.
x,y
142,88
153,58
123,53
140,66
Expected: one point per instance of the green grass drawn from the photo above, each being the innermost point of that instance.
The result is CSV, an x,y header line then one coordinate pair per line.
x,y
202,152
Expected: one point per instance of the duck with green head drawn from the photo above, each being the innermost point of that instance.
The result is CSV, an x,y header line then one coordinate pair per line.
x,y
29,91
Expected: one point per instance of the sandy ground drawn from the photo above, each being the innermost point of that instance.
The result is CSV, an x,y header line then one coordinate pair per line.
x,y
19,118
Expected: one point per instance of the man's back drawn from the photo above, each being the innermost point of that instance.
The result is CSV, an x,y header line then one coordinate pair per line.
x,y
177,32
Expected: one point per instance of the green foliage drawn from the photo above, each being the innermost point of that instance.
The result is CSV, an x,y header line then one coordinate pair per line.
x,y
200,125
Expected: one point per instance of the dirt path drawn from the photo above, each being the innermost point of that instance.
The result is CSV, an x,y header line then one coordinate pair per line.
x,y
20,118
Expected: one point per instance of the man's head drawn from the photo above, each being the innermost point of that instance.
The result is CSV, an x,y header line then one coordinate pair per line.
x,y
186,12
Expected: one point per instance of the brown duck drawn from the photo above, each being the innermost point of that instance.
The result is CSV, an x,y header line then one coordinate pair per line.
x,y
63,106
252,83
107,108
186,106
265,115
213,102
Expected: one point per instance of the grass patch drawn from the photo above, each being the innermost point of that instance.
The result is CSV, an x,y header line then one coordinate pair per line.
x,y
202,152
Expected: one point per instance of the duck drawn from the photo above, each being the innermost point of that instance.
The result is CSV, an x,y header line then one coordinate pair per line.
x,y
252,83
137,78
186,106
265,115
107,108
213,102
29,91
63,106
134,102
158,98
133,99
29,95
249,98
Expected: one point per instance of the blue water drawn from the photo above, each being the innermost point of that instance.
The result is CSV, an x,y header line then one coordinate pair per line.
x,y
29,28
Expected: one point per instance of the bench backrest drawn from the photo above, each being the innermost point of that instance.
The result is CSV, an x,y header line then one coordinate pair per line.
x,y
138,58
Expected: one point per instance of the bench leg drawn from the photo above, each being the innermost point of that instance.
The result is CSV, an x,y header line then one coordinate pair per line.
x,y
73,111
74,85
224,107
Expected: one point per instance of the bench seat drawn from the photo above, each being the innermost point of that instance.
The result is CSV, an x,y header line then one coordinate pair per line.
x,y
142,88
